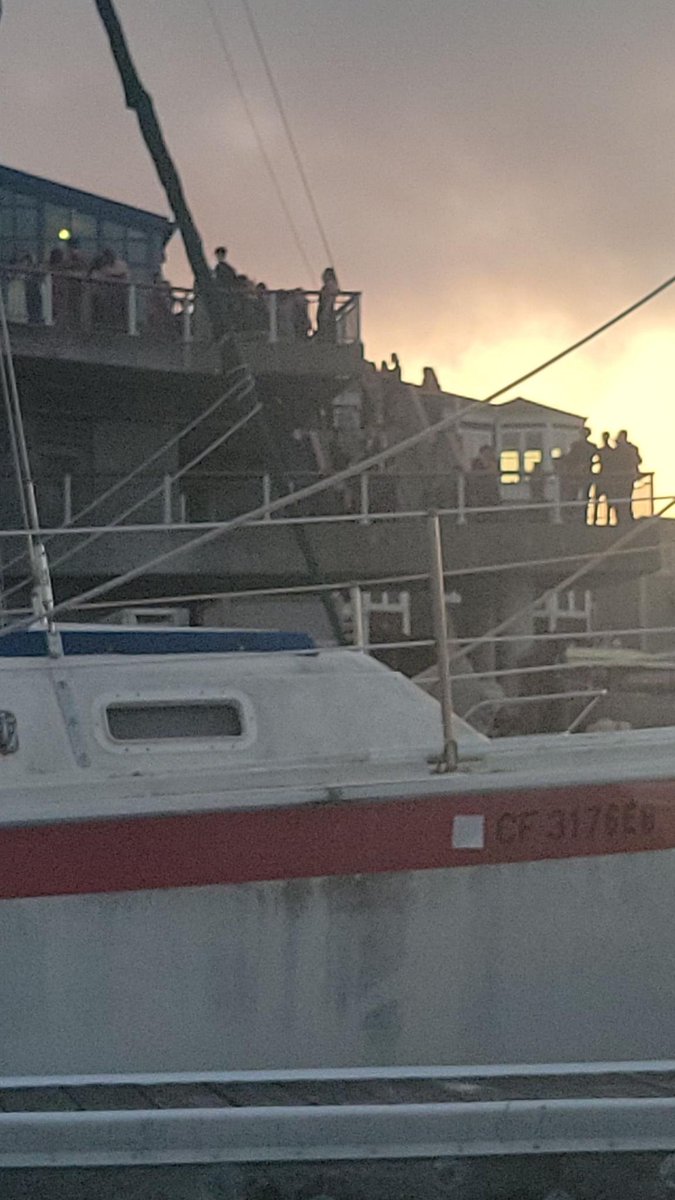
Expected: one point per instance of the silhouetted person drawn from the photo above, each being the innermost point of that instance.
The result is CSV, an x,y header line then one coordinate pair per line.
x,y
576,475
301,323
224,273
326,323
483,489
605,481
627,459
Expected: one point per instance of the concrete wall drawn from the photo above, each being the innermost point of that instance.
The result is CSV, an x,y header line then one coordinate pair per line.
x,y
548,961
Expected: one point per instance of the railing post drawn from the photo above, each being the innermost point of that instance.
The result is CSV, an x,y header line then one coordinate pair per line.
x,y
186,323
357,302
364,497
448,760
182,508
274,317
359,635
461,499
132,310
557,511
167,500
67,499
47,293
267,494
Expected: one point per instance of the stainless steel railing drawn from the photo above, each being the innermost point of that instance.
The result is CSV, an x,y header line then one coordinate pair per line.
x,y
88,304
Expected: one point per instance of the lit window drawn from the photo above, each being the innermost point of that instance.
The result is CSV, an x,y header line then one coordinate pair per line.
x,y
530,458
509,466
147,721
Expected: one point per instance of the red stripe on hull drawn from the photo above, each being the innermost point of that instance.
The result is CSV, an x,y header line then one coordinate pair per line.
x,y
198,849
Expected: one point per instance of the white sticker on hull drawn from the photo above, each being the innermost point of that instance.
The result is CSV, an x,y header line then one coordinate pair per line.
x,y
468,832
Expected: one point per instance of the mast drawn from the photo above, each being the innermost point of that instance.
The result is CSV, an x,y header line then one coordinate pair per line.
x,y
140,102
42,592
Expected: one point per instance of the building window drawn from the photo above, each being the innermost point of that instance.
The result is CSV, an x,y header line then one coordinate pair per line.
x,y
530,459
509,466
160,720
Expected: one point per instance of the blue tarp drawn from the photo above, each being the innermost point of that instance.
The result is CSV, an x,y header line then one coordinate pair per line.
x,y
32,643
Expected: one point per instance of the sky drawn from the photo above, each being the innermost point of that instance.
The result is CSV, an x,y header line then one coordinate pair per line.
x,y
496,176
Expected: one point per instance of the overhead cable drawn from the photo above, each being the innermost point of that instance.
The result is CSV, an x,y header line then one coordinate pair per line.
x,y
289,132
269,165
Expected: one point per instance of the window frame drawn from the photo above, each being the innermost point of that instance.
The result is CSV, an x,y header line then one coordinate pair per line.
x,y
224,743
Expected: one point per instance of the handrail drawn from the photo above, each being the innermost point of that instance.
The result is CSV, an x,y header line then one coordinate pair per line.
x,y
499,701
90,303
358,504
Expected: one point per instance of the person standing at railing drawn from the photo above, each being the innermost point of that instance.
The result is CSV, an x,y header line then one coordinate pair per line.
x,y
227,282
55,266
628,460
605,480
75,266
576,475
302,326
326,324
483,484
17,310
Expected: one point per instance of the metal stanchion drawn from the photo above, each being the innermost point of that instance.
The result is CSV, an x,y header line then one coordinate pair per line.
x,y
448,759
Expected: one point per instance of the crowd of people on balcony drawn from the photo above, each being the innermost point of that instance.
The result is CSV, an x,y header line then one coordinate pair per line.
x,y
246,304
89,292
595,478
82,293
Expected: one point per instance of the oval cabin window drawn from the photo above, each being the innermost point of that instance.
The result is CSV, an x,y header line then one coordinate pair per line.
x,y
149,721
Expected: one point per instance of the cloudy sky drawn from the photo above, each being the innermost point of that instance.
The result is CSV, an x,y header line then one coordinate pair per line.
x,y
497,176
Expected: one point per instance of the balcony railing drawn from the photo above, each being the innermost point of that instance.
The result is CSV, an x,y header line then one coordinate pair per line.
x,y
89,306
212,496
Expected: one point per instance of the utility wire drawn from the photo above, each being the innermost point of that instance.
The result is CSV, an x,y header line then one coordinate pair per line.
x,y
289,132
269,165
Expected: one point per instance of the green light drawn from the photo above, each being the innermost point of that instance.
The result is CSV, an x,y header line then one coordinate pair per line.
x,y
64,235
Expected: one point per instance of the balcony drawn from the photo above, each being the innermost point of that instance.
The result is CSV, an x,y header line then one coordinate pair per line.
x,y
158,327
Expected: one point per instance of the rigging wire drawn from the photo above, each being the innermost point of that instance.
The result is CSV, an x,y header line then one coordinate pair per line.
x,y
269,165
308,589
96,534
170,444
289,132
365,465
239,390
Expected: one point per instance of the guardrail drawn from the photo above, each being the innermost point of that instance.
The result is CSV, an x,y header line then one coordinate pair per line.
x,y
203,498
211,496
88,304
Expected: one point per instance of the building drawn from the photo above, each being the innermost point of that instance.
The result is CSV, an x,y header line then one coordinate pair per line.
x,y
37,216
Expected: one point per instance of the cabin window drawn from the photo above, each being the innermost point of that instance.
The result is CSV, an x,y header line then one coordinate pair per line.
x,y
147,721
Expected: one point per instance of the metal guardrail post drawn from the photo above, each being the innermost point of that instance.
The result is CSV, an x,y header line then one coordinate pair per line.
x,y
448,760
274,314
132,310
359,634
364,497
167,500
186,322
461,498
47,294
557,511
267,494
67,499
